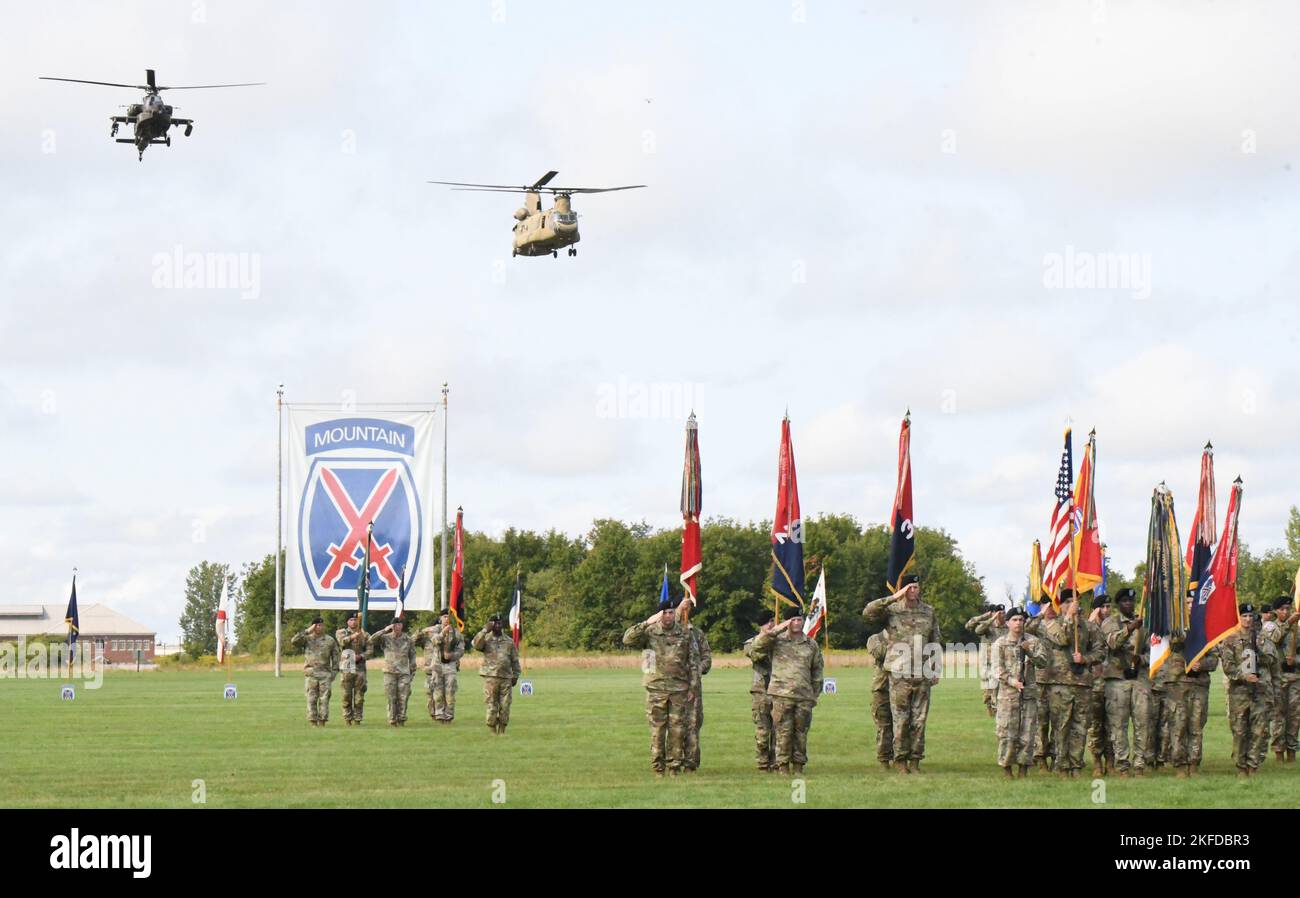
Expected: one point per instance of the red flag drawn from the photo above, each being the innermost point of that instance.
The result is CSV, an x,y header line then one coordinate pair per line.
x,y
1087,540
1214,610
902,538
787,527
1201,539
692,501
458,573
1061,531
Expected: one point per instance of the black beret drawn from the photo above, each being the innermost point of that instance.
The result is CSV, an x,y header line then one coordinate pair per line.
x,y
1282,602
400,620
1245,608
1066,594
1017,612
318,619
1100,599
666,605
494,619
765,617
1127,592
793,611
909,579
444,612
352,615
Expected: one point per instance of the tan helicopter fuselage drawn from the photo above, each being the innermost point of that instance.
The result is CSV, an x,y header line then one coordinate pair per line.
x,y
543,232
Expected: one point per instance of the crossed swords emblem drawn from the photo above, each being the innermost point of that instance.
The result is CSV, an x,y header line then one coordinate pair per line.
x,y
344,555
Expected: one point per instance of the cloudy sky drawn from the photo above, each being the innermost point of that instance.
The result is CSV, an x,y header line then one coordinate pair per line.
x,y
853,208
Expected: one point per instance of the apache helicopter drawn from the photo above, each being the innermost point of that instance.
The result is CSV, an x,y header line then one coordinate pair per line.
x,y
538,231
151,116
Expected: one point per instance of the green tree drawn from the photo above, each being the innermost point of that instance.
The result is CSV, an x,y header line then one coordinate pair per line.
x,y
202,593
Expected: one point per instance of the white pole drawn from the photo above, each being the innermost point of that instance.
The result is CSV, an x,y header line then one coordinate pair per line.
x,y
443,579
279,528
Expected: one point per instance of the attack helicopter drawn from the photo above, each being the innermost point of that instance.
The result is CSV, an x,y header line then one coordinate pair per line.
x,y
151,117
538,231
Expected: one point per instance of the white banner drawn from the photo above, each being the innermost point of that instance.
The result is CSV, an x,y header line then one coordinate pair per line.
x,y
347,470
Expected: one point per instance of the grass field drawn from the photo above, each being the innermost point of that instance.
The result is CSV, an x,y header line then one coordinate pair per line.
x,y
580,741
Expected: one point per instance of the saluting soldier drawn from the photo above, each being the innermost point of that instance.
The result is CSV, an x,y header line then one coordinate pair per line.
x,y
1286,711
703,663
1128,687
990,625
760,701
878,649
500,672
399,667
912,625
319,667
1078,645
667,659
794,687
353,640
1015,656
1103,760
1248,663
444,646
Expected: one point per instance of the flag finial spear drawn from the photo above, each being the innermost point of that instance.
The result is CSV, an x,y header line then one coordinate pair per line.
x,y
1092,433
907,415
1237,482
1208,446
690,421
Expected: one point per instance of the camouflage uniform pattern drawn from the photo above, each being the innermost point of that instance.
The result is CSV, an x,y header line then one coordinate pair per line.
x,y
1068,699
695,719
1286,709
986,627
500,672
795,684
668,656
1017,718
909,689
1198,704
1128,695
1250,705
1044,740
1169,688
443,649
399,666
354,684
319,667
761,707
877,648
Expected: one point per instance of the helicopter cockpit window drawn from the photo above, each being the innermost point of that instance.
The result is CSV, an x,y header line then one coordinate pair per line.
x,y
566,217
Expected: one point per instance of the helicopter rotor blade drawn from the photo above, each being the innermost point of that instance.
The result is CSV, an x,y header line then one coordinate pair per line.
x,y
482,186
104,83
148,76
592,189
545,179
207,86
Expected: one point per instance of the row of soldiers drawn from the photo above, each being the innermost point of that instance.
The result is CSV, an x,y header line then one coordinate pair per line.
x,y
347,650
1058,682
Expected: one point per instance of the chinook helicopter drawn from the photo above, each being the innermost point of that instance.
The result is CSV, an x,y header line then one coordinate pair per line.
x,y
151,117
538,231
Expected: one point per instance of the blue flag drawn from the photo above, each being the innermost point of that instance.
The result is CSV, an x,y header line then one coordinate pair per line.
x,y
73,621
663,590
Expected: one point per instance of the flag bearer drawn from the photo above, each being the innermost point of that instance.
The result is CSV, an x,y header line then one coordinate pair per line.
x,y
794,688
1015,655
760,701
443,648
1248,662
399,667
319,666
1128,687
1078,645
353,640
500,672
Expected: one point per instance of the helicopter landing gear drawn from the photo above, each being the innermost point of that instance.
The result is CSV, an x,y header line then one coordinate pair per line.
x,y
573,251
141,156
555,254
113,133
168,140
513,253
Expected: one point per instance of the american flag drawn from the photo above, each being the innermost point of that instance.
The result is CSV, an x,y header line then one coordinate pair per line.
x,y
1056,568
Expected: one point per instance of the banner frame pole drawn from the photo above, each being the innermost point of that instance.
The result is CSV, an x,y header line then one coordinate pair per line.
x,y
279,524
442,583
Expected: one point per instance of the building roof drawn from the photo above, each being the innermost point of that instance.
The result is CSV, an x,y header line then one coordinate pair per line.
x,y
42,620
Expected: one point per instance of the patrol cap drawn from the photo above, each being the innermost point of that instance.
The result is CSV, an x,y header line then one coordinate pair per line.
x,y
1127,593
1017,612
1282,602
909,579
1245,608
318,619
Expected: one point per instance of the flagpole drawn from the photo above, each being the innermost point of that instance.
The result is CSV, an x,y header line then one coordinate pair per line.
x,y
279,524
443,580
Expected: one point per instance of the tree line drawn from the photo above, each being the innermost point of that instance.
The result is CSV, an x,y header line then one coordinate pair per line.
x,y
581,593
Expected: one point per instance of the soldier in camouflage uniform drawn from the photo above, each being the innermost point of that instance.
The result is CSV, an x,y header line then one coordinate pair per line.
x,y
989,626
1169,688
1045,738
1248,666
1128,688
760,702
1015,655
1197,678
911,622
795,684
1286,713
668,656
353,641
500,672
878,649
319,667
1077,645
1098,739
703,664
399,667
443,648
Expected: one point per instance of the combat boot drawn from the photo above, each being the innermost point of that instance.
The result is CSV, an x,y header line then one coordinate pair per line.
x,y
915,765
1024,771
886,765
1243,772
1185,772
1290,757
1098,770
796,769
1007,774
1281,756
901,767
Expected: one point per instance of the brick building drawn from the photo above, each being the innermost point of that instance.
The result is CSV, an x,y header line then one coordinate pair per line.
x,y
113,635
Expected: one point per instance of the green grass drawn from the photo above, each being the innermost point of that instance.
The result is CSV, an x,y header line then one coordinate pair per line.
x,y
581,741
